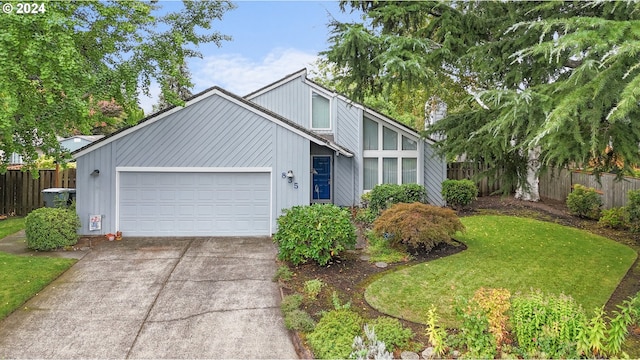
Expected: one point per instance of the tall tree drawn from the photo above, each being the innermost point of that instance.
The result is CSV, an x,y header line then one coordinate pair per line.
x,y
182,91
61,60
549,83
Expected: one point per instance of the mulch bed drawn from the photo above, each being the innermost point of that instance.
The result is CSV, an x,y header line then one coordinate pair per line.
x,y
350,274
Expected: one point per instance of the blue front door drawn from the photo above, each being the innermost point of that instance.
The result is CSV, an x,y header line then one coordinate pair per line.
x,y
321,178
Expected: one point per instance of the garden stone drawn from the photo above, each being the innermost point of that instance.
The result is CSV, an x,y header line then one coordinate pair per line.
x,y
429,353
409,355
382,264
455,354
365,257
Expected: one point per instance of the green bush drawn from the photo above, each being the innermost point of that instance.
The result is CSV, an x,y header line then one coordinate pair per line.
x,y
365,215
633,210
333,335
317,232
459,193
391,332
299,320
313,287
615,218
417,226
385,195
290,303
51,228
546,325
584,202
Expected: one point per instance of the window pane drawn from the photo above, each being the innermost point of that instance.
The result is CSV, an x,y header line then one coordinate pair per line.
x,y
389,139
389,171
370,173
408,144
370,135
409,171
319,112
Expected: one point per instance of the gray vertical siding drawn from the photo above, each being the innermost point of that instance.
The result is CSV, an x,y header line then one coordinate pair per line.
x,y
347,134
291,100
94,194
435,172
291,154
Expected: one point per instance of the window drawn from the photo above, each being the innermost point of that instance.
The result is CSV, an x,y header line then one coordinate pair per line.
x,y
370,173
409,170
389,139
320,112
370,133
408,144
390,155
389,171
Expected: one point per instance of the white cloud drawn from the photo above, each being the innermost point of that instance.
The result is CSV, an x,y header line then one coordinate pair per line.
x,y
241,75
238,74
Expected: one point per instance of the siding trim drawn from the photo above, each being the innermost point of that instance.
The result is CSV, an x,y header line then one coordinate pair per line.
x,y
121,169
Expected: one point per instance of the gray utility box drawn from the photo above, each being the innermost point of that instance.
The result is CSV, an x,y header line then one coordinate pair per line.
x,y
58,196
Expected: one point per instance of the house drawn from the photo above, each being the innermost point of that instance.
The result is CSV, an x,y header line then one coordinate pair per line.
x,y
228,165
71,143
75,142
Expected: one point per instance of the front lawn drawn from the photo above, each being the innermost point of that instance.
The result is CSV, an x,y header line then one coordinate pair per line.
x,y
21,277
11,226
518,254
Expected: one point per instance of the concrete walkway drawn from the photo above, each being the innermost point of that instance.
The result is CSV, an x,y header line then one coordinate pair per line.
x,y
157,298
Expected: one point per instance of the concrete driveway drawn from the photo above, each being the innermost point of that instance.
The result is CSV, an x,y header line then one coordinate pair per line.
x,y
157,298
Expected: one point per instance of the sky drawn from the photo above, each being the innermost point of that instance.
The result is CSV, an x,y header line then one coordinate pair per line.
x,y
270,39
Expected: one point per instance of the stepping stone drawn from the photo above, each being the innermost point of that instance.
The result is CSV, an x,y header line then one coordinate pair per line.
x,y
382,264
429,353
365,257
409,355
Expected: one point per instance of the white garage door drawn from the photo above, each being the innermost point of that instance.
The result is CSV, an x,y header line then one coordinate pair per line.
x,y
194,204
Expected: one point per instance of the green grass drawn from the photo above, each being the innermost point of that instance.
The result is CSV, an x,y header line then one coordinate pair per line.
x,y
21,277
379,250
518,254
11,226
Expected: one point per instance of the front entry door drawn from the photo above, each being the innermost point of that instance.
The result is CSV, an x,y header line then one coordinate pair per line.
x,y
321,187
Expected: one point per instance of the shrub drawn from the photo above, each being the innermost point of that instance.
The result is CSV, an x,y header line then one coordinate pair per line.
x,y
459,193
584,202
546,325
299,320
391,332
365,215
333,335
317,232
313,287
633,209
369,347
290,303
51,228
385,195
495,303
417,226
474,332
615,218
283,273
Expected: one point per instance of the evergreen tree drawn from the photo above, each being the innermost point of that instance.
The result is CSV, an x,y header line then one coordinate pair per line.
x,y
548,83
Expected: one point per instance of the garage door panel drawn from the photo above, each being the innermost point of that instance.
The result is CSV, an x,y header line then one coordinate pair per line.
x,y
194,204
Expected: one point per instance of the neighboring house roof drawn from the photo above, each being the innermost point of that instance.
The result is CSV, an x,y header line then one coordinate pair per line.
x,y
229,96
329,92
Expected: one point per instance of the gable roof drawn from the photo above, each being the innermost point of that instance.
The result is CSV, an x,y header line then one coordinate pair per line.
x,y
329,92
255,108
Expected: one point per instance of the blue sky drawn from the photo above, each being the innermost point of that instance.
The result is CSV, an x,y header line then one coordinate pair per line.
x,y
270,40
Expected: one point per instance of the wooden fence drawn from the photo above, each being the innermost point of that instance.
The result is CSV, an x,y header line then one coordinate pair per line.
x,y
465,170
20,192
556,183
